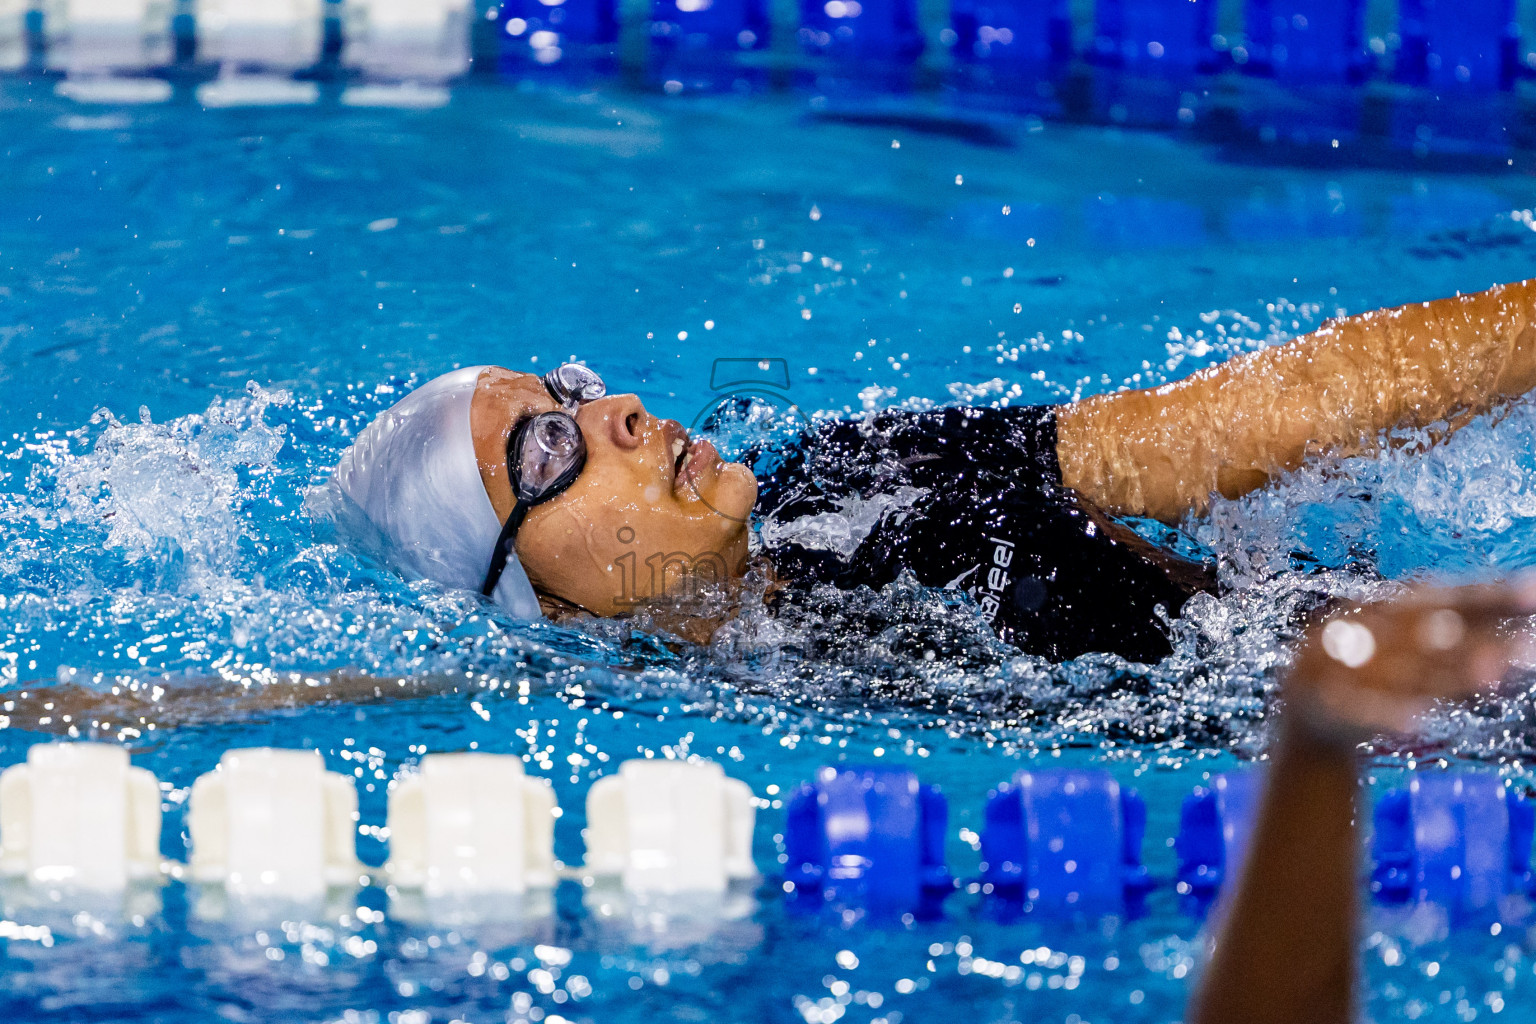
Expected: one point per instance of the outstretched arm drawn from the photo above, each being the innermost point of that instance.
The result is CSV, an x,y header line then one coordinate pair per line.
x,y
1228,429
129,713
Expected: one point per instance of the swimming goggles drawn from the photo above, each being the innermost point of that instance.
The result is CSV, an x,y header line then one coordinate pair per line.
x,y
545,455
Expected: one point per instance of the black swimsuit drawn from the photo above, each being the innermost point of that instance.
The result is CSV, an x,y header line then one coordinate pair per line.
x,y
972,499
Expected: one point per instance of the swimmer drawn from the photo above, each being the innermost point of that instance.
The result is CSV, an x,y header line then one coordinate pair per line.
x,y
1285,945
551,496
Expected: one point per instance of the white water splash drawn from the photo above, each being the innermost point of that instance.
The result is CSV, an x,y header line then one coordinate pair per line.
x,y
171,485
842,531
1419,507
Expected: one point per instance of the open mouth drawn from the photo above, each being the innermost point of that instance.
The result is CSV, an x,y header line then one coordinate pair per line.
x,y
690,456
680,449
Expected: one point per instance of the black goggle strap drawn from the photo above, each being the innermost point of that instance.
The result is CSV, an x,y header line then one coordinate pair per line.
x,y
506,543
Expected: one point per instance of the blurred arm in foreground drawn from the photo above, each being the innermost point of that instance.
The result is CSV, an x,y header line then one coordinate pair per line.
x,y
1286,941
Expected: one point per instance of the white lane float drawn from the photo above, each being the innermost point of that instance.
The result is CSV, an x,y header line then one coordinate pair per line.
x,y
97,42
258,44
668,827
79,816
13,35
273,824
469,824
418,44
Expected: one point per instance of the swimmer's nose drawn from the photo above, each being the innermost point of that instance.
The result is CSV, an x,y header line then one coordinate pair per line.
x,y
624,419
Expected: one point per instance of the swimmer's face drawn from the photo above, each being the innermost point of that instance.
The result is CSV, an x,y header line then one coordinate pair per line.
x,y
652,509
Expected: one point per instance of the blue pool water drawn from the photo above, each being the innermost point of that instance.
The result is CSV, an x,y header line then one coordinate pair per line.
x,y
198,310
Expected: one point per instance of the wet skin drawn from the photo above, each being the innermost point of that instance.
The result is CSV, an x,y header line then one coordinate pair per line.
x,y
650,507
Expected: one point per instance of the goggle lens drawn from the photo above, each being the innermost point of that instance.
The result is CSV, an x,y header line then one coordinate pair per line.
x,y
574,384
548,454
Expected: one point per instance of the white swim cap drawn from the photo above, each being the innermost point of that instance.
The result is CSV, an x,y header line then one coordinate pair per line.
x,y
410,488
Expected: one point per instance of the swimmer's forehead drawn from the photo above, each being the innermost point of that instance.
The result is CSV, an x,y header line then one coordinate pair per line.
x,y
528,393
501,376
523,391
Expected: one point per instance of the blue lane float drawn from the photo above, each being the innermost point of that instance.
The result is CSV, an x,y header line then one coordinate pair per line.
x,y
861,32
567,37
1214,825
1459,45
1150,55
1461,842
1065,841
867,839
1308,42
695,43
1013,38
1461,56
1154,37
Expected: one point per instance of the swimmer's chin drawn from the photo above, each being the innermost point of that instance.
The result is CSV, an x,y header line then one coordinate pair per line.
x,y
734,492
